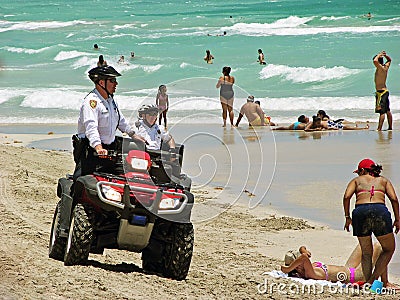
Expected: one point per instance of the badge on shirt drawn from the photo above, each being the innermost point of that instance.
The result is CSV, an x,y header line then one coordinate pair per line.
x,y
93,103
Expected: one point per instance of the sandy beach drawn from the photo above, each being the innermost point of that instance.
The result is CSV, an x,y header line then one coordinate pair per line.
x,y
233,249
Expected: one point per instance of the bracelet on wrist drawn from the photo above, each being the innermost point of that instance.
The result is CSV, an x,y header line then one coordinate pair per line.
x,y
347,217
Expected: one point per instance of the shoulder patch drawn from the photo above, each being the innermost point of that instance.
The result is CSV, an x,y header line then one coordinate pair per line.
x,y
93,103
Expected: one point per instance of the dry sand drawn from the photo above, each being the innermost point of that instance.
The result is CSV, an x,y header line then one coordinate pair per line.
x,y
231,253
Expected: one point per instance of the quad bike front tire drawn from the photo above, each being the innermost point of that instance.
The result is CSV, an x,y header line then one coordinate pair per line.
x,y
57,243
80,236
170,250
178,253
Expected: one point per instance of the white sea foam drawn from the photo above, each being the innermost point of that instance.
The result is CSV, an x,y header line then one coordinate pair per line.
x,y
125,26
298,26
149,43
63,55
126,66
53,98
185,65
37,120
85,61
118,35
327,103
7,26
24,50
181,100
8,94
151,69
333,18
143,92
388,20
306,74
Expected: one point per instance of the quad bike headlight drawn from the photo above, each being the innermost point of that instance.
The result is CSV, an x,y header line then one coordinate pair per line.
x,y
110,193
169,203
139,164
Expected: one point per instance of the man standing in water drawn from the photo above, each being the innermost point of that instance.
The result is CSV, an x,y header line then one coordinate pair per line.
x,y
382,93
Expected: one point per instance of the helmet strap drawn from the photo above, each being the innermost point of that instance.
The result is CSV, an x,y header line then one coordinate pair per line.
x,y
105,87
147,123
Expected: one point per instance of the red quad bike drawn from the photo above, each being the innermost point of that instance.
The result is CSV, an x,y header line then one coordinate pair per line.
x,y
145,209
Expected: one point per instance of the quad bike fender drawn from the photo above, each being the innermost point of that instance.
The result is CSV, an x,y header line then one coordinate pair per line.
x,y
64,193
86,183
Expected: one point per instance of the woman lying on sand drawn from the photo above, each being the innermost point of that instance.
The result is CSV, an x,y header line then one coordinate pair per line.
x,y
301,123
317,124
351,272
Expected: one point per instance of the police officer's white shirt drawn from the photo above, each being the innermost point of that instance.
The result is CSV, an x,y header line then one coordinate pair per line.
x,y
99,118
153,135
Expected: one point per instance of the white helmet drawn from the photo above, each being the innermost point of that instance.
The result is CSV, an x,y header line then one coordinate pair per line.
x,y
147,109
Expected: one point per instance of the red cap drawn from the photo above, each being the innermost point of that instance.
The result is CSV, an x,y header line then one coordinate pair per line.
x,y
365,164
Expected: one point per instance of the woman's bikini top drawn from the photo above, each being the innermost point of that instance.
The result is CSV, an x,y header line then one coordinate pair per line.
x,y
371,192
319,264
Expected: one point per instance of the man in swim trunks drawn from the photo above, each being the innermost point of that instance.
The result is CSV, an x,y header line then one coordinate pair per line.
x,y
382,93
371,215
253,112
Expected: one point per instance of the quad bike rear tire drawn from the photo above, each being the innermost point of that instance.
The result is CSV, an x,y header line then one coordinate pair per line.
x,y
170,252
57,243
80,236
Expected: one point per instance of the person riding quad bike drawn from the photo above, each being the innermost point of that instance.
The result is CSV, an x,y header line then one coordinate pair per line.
x,y
128,199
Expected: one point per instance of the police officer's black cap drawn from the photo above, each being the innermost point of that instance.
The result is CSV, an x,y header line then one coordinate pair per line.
x,y
103,72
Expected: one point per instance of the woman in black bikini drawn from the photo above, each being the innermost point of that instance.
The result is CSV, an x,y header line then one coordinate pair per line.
x,y
225,83
371,215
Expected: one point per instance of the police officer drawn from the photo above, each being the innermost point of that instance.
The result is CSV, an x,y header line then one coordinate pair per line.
x,y
99,120
153,134
156,137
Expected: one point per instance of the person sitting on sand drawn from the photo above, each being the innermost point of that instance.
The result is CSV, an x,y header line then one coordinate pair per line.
x,y
298,264
253,112
301,124
267,118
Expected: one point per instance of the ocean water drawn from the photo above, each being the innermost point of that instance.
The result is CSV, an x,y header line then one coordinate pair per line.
x,y
319,56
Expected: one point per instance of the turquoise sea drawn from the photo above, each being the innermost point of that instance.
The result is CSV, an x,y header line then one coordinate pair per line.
x,y
319,55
